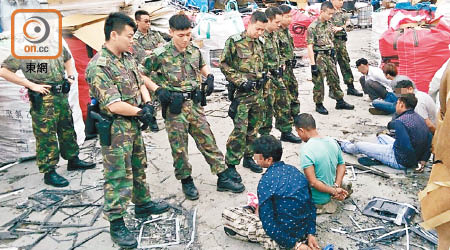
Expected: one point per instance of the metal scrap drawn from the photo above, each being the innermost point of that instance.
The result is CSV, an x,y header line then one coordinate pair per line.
x,y
354,221
369,229
371,169
11,192
168,234
194,217
60,225
88,239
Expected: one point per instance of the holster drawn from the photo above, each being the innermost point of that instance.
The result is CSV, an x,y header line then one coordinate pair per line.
x,y
177,103
232,111
231,90
202,95
342,37
35,99
90,121
65,86
103,126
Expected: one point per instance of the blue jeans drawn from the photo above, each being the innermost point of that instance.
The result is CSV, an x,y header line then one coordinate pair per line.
x,y
388,104
382,151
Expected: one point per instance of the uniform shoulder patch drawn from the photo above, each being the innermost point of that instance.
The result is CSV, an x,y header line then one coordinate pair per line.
x,y
101,61
158,51
236,37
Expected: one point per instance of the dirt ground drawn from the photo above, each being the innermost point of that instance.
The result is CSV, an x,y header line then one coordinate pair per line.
x,y
357,124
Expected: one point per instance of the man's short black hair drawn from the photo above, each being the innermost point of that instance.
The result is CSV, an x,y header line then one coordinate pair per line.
x,y
409,100
117,21
305,121
139,13
361,61
404,84
180,22
272,12
258,16
285,8
268,146
326,5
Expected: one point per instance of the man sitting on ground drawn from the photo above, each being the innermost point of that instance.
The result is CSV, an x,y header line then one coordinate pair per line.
x,y
286,216
425,104
391,73
378,87
323,164
412,141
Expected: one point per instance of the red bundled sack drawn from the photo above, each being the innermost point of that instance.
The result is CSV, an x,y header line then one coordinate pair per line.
x,y
420,51
409,16
299,26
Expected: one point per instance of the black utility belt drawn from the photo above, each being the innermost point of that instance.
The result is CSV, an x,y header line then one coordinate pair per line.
x,y
194,95
62,88
291,63
328,52
342,37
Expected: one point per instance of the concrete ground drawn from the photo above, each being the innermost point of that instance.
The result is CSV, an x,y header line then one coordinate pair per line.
x,y
357,124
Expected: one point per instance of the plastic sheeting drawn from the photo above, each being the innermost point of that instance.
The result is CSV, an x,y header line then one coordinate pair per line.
x,y
16,135
299,25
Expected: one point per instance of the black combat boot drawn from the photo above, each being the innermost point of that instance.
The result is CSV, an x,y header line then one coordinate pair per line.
x,y
142,211
250,163
341,104
76,164
225,183
290,137
189,189
321,109
54,179
352,91
121,235
233,173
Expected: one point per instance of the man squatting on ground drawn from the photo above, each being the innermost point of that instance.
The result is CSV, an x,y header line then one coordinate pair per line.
x,y
178,67
285,216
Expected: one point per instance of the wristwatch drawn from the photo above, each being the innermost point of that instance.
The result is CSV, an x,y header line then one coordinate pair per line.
x,y
71,77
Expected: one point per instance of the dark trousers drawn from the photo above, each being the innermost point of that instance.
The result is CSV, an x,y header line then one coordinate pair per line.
x,y
373,88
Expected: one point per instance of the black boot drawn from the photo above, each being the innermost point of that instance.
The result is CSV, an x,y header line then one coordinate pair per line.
x,y
54,179
341,104
154,127
150,208
225,183
290,137
189,189
121,235
250,163
352,91
233,173
76,164
321,109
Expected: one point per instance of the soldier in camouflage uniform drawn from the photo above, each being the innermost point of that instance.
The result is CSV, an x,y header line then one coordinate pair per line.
x,y
50,112
322,58
242,63
178,67
146,40
341,21
288,58
114,80
275,92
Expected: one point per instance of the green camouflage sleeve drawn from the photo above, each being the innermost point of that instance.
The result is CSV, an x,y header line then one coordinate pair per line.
x,y
310,38
102,87
150,68
226,64
11,63
138,51
66,55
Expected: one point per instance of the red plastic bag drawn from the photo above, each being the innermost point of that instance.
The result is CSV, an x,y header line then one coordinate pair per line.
x,y
408,16
421,52
299,26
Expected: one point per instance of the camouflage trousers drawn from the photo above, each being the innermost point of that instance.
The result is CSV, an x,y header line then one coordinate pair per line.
x,y
247,122
124,164
327,69
248,227
192,121
291,83
344,61
52,124
277,105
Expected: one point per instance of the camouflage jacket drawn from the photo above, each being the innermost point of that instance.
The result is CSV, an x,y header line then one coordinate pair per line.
x,y
173,70
113,79
286,45
320,35
242,59
41,71
271,51
340,19
142,42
